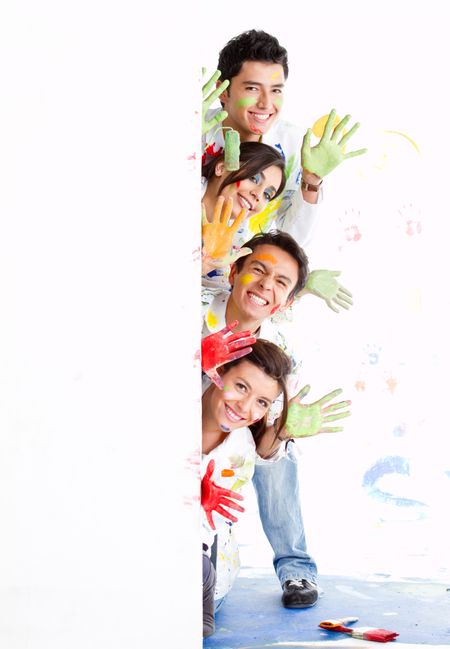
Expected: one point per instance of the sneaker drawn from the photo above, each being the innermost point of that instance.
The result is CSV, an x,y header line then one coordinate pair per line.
x,y
299,593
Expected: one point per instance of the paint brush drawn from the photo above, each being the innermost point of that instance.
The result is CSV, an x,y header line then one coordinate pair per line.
x,y
361,633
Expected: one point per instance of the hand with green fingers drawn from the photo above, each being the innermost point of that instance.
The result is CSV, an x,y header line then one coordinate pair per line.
x,y
217,236
323,284
209,99
329,152
306,420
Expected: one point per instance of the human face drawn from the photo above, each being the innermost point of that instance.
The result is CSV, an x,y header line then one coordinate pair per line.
x,y
254,98
263,284
247,396
252,193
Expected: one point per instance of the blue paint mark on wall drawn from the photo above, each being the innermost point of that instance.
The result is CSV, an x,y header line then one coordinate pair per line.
x,y
385,466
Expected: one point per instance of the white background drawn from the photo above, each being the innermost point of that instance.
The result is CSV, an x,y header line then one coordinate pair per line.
x,y
99,326
99,290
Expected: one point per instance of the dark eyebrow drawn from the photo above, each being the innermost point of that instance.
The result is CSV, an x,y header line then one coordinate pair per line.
x,y
239,378
257,83
256,261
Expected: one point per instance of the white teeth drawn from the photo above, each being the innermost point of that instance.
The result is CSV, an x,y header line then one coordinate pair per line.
x,y
257,300
261,118
231,414
245,202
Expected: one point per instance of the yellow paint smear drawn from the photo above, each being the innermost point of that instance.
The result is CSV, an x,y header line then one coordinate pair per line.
x,y
247,278
211,319
275,75
407,138
319,125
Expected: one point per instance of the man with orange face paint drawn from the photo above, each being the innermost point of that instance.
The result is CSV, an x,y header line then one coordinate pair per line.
x,y
254,68
264,283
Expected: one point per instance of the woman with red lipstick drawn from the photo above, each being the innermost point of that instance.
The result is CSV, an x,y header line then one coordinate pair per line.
x,y
234,427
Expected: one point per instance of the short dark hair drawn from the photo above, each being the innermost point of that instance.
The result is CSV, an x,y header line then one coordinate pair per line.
x,y
253,45
287,243
253,158
275,363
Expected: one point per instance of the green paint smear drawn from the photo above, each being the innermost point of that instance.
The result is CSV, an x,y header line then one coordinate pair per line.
x,y
289,165
245,101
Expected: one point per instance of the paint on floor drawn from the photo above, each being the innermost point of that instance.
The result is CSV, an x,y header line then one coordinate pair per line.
x,y
252,617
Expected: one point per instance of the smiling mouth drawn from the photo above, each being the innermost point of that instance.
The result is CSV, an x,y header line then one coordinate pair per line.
x,y
260,117
245,203
256,299
233,416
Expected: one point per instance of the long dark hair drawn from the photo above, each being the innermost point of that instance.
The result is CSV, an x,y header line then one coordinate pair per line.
x,y
276,364
254,157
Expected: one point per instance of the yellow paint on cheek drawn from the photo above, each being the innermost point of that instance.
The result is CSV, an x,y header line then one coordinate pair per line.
x,y
211,319
247,278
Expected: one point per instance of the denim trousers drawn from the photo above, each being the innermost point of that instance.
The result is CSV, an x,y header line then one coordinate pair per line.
x,y
278,494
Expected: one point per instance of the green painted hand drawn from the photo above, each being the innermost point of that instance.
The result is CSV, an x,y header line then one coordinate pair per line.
x,y
329,152
323,284
306,420
208,99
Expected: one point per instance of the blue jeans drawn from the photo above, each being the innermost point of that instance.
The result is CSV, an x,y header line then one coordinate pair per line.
x,y
277,490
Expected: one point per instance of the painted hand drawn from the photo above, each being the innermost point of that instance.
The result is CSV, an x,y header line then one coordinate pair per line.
x,y
217,236
222,347
323,284
306,420
329,152
208,99
214,497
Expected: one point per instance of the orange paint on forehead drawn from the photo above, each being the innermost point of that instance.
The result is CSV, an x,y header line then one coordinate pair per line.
x,y
265,256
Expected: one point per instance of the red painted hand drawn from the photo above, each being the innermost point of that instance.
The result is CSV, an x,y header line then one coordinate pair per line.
x,y
222,347
213,497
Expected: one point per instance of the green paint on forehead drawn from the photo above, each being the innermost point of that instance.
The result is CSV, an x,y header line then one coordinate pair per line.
x,y
245,101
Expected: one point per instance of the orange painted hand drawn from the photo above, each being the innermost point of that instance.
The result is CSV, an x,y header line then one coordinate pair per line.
x,y
214,497
222,347
217,236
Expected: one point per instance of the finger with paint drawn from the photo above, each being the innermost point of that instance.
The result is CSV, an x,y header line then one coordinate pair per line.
x,y
329,152
222,347
209,99
218,235
214,498
323,284
306,420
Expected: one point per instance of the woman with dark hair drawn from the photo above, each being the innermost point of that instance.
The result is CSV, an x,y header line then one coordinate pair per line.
x,y
259,179
237,198
234,427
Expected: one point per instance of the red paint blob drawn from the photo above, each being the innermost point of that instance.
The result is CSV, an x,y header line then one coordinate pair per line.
x,y
238,183
275,309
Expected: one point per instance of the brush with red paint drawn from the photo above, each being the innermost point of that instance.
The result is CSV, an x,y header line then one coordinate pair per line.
x,y
361,633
